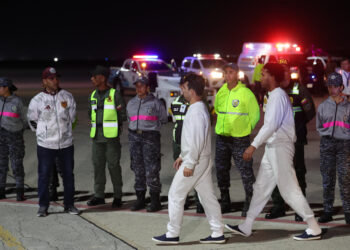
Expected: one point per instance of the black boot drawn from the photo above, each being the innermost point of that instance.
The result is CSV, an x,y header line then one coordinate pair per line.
x,y
225,201
155,202
347,218
20,194
2,193
199,209
246,206
326,217
275,212
53,194
140,202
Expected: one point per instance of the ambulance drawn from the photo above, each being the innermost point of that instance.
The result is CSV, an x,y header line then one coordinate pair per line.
x,y
252,53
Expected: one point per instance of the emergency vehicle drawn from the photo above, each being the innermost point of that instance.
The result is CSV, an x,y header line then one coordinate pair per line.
x,y
269,52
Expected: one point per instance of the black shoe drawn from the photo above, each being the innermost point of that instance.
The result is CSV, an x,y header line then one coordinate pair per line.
x,y
53,195
140,202
199,209
225,201
155,203
236,230
96,201
275,213
298,218
20,194
72,210
211,240
2,193
117,203
305,236
42,212
162,239
347,218
326,217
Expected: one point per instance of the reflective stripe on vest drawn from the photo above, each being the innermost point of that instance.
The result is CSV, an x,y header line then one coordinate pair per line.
x,y
233,113
295,89
110,117
179,117
297,109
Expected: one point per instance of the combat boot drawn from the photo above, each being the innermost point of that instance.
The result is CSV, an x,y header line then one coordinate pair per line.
x,y
326,217
20,194
155,202
246,206
199,209
225,201
347,218
2,193
140,202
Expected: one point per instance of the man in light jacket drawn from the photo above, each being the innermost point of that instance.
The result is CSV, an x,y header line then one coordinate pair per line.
x,y
51,114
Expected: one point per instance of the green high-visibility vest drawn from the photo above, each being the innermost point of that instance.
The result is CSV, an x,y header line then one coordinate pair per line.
x,y
110,118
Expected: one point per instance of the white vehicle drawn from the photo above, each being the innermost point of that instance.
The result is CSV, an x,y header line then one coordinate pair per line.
x,y
209,66
269,52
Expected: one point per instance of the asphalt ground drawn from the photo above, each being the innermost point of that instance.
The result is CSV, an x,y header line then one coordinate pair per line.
x,y
102,227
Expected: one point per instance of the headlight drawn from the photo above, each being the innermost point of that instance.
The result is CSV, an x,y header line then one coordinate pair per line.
x,y
240,75
294,75
174,93
216,74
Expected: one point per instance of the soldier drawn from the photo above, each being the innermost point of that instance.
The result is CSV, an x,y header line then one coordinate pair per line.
x,y
179,109
12,123
237,114
146,113
107,112
52,114
304,111
333,123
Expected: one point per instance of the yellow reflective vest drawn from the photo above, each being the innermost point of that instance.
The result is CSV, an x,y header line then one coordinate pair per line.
x,y
237,111
110,118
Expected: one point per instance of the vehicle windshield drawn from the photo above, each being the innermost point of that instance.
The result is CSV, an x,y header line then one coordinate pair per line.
x,y
153,65
213,63
293,60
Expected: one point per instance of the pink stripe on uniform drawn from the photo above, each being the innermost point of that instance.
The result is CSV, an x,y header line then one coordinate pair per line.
x,y
9,114
337,123
144,117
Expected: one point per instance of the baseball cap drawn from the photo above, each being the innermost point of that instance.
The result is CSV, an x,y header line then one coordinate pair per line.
x,y
49,72
231,65
335,79
100,70
142,80
5,82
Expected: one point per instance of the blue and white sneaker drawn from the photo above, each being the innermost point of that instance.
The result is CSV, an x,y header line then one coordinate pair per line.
x,y
213,240
165,240
236,230
306,236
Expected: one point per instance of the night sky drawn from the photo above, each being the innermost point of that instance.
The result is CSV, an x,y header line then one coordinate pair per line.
x,y
38,30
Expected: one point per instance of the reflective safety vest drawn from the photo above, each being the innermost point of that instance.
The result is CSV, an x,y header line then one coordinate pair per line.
x,y
237,110
294,98
179,109
110,118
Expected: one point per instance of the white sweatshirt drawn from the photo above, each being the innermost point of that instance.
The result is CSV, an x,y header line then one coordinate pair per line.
x,y
195,135
279,124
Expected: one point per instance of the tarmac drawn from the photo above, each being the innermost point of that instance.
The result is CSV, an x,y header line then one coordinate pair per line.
x,y
102,227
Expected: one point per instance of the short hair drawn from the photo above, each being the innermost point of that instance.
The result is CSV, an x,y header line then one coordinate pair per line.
x,y
195,82
345,59
276,70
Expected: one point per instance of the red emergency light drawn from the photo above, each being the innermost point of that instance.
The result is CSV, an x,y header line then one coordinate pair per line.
x,y
145,57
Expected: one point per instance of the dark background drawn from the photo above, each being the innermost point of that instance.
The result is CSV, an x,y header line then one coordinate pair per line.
x,y
83,31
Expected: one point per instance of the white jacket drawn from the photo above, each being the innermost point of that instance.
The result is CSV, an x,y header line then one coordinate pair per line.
x,y
195,135
54,116
279,126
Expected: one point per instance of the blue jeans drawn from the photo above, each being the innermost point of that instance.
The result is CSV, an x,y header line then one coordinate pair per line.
x,y
46,159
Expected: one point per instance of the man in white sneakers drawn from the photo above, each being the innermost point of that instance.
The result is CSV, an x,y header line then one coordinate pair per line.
x,y
194,168
276,168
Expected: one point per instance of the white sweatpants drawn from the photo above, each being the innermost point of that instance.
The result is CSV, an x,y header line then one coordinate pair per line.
x,y
276,168
202,182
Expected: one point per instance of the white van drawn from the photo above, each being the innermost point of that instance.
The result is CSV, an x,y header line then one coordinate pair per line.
x,y
269,52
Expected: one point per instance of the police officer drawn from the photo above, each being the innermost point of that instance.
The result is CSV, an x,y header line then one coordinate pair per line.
x,y
146,113
12,123
304,111
179,109
237,114
107,112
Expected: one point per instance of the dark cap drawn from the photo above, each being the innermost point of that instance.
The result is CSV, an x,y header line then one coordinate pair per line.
x,y
100,70
49,72
232,66
142,80
335,79
5,82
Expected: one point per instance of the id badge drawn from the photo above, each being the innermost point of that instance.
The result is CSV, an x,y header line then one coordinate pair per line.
x,y
183,108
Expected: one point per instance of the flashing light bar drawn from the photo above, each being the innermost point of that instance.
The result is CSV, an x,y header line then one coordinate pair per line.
x,y
145,57
208,56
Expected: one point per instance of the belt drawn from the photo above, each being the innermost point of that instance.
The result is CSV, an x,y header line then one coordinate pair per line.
x,y
140,132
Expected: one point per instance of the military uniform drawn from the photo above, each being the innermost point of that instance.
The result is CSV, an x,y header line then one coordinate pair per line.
x,y
107,111
304,111
238,113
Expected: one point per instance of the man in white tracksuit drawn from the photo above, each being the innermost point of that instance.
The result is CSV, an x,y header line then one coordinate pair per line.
x,y
276,166
194,168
